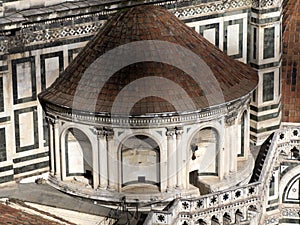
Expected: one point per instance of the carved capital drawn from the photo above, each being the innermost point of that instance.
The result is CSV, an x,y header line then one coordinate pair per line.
x,y
50,120
179,131
103,132
99,131
170,132
230,118
109,133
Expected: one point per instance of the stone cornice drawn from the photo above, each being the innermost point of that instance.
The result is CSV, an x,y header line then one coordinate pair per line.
x,y
151,120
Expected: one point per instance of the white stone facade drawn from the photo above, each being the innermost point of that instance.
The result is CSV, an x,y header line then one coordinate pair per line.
x,y
178,158
44,44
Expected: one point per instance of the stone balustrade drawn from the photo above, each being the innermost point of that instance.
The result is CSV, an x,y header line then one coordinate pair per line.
x,y
244,198
212,204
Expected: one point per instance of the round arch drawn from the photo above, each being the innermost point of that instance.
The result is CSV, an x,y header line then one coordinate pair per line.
x,y
287,180
77,153
243,134
139,157
291,191
204,145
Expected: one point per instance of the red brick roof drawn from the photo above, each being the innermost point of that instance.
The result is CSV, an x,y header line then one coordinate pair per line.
x,y
9,215
291,61
184,83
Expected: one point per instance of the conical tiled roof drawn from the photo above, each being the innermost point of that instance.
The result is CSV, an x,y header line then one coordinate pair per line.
x,y
291,61
144,60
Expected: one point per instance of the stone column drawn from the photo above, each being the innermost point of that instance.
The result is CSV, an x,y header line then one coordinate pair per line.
x,y
50,122
102,149
231,124
171,143
164,166
180,165
112,161
95,150
57,150
63,159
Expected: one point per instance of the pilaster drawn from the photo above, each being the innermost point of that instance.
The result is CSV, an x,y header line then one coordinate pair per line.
x,y
171,143
265,57
112,162
50,122
102,157
57,150
231,125
180,166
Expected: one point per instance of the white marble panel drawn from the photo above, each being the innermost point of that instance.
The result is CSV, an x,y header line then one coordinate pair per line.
x,y
26,129
24,80
233,39
210,35
51,70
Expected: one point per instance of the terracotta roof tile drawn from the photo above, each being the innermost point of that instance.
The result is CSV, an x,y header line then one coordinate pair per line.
x,y
291,61
155,85
9,215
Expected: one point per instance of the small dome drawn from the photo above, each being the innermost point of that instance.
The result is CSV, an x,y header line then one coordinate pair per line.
x,y
145,61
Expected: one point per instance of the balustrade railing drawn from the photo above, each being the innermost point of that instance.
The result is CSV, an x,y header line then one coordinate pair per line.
x,y
251,194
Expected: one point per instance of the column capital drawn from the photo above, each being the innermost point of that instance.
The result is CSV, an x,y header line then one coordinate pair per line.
x,y
179,131
230,118
109,133
50,120
103,132
170,132
99,131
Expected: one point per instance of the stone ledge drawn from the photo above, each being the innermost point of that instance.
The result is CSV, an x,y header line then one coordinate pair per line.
x,y
110,196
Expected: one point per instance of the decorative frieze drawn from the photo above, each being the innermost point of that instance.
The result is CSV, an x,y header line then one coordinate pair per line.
x,y
51,30
290,212
203,115
210,8
265,3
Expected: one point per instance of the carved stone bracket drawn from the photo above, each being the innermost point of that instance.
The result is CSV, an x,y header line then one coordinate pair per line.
x,y
230,118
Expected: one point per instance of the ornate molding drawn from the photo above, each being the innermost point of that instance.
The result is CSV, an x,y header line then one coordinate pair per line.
x,y
265,3
154,121
211,8
290,212
191,210
43,32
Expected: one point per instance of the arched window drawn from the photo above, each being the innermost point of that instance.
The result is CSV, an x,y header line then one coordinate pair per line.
x,y
243,135
226,219
201,222
204,152
214,220
238,216
78,155
140,157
